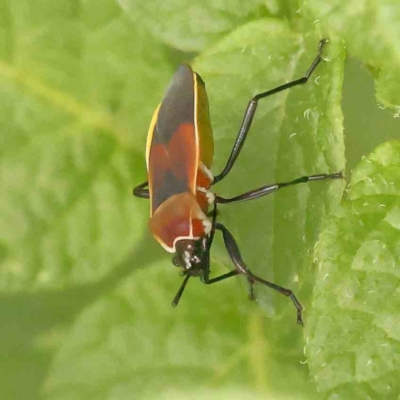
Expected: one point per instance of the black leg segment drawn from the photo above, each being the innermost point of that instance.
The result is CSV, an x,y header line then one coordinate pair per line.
x,y
241,268
221,277
251,110
178,296
206,274
268,189
140,191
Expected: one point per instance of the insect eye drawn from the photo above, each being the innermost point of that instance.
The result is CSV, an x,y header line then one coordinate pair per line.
x,y
176,260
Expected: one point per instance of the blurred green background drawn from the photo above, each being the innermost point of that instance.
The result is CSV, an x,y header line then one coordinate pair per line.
x,y
85,291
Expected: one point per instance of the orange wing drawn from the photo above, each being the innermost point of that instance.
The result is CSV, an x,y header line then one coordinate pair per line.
x,y
173,148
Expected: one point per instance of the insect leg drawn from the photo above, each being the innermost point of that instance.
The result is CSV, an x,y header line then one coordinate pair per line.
x,y
206,277
241,268
268,189
251,110
140,191
178,295
221,277
207,248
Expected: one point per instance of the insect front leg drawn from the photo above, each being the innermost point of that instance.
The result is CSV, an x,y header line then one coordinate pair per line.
x,y
207,248
241,268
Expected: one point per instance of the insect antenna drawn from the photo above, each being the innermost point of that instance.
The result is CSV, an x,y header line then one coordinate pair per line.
x,y
177,297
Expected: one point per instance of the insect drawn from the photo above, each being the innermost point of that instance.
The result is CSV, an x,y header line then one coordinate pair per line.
x,y
179,155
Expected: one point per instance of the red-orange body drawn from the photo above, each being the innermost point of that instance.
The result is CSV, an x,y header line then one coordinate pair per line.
x,y
179,156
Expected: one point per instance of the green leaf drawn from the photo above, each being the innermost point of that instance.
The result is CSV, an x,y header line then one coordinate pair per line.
x,y
188,25
371,32
79,83
132,342
78,89
354,336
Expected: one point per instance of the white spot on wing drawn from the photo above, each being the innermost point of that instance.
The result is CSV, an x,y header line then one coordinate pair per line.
x,y
209,195
207,171
207,226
